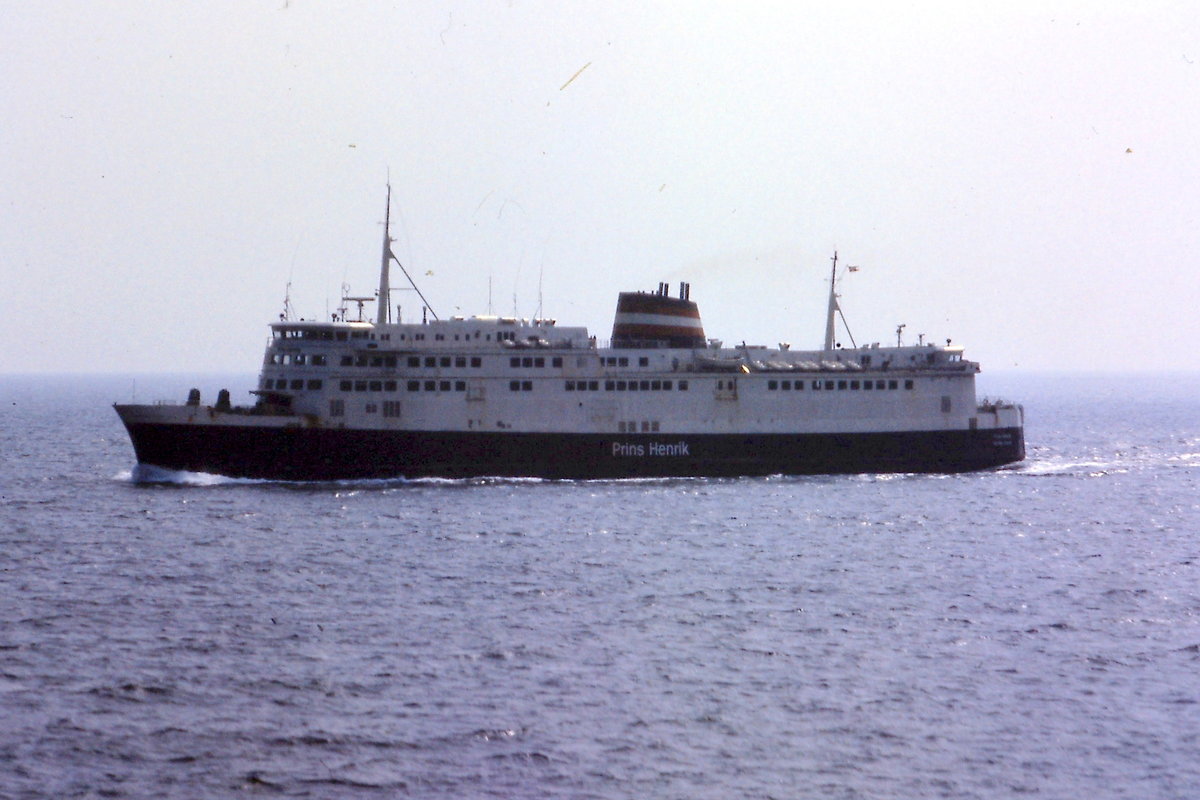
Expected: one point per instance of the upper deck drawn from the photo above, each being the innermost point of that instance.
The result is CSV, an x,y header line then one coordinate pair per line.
x,y
475,333
489,334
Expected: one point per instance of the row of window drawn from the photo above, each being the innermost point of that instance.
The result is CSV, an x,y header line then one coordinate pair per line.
x,y
391,408
297,384
298,359
365,360
415,362
319,334
294,384
412,386
829,386
609,386
534,361
331,335
622,361
626,386
390,361
445,361
444,337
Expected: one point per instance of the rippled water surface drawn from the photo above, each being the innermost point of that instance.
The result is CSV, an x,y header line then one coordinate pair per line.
x,y
1029,631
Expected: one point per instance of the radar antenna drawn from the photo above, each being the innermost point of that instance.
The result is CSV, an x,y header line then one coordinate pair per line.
x,y
360,301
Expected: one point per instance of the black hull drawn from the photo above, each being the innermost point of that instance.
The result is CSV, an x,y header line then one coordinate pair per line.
x,y
320,454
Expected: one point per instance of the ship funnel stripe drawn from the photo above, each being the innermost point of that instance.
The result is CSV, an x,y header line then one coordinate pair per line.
x,y
659,332
665,320
629,302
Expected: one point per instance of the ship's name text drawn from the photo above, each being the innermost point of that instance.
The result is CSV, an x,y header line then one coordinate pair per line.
x,y
653,449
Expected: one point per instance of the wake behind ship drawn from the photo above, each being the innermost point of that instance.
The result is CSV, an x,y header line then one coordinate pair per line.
x,y
502,396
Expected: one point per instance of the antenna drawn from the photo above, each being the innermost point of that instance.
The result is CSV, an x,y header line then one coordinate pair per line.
x,y
287,302
341,309
538,315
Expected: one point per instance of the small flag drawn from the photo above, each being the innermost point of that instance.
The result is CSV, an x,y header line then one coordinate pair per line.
x,y
852,269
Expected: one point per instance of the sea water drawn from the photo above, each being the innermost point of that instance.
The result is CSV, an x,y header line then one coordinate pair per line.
x,y
1024,631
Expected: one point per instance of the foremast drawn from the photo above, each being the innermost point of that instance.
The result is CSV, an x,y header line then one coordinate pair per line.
x,y
385,303
833,304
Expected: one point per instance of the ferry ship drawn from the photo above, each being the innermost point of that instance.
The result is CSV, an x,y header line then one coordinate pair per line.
x,y
501,396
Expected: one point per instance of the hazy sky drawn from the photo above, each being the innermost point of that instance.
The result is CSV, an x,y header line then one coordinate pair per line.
x,y
1022,178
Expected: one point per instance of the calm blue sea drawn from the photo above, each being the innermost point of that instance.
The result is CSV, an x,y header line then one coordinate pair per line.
x,y
1024,632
